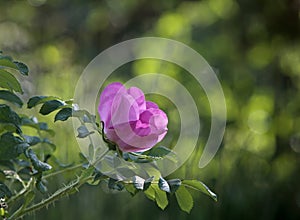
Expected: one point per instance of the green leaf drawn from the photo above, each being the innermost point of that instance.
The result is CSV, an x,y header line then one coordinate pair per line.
x,y
33,123
114,184
4,191
137,157
37,164
158,151
6,61
32,140
69,102
93,182
63,114
47,141
91,152
8,116
11,146
184,199
41,187
8,81
7,164
163,185
50,106
36,100
148,182
153,172
99,175
174,184
131,189
11,97
160,197
43,126
83,132
198,185
138,182
150,193
23,69
2,176
86,173
7,127
84,115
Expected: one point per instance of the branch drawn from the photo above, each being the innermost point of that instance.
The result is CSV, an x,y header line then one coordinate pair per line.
x,y
67,190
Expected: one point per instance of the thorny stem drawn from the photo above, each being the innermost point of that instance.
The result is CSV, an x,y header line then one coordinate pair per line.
x,y
62,171
22,192
69,189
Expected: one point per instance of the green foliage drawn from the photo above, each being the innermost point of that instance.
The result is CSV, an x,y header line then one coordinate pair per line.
x,y
131,189
11,146
157,190
138,182
36,100
197,185
8,62
83,131
8,116
174,184
50,106
34,123
184,199
4,191
115,184
147,183
9,81
10,97
155,153
16,155
63,114
159,151
32,140
160,197
41,187
163,185
37,164
150,193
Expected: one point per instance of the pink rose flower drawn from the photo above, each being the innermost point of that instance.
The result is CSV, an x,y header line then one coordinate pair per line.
x,y
130,121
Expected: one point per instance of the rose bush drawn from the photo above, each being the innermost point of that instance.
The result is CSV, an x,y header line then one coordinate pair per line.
x,y
130,121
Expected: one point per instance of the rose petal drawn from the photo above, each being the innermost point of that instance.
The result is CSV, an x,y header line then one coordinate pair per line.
x,y
111,135
161,136
130,138
146,115
138,96
151,105
106,99
128,148
158,122
140,128
124,109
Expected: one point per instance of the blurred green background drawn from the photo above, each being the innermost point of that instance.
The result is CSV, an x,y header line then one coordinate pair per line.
x,y
254,46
